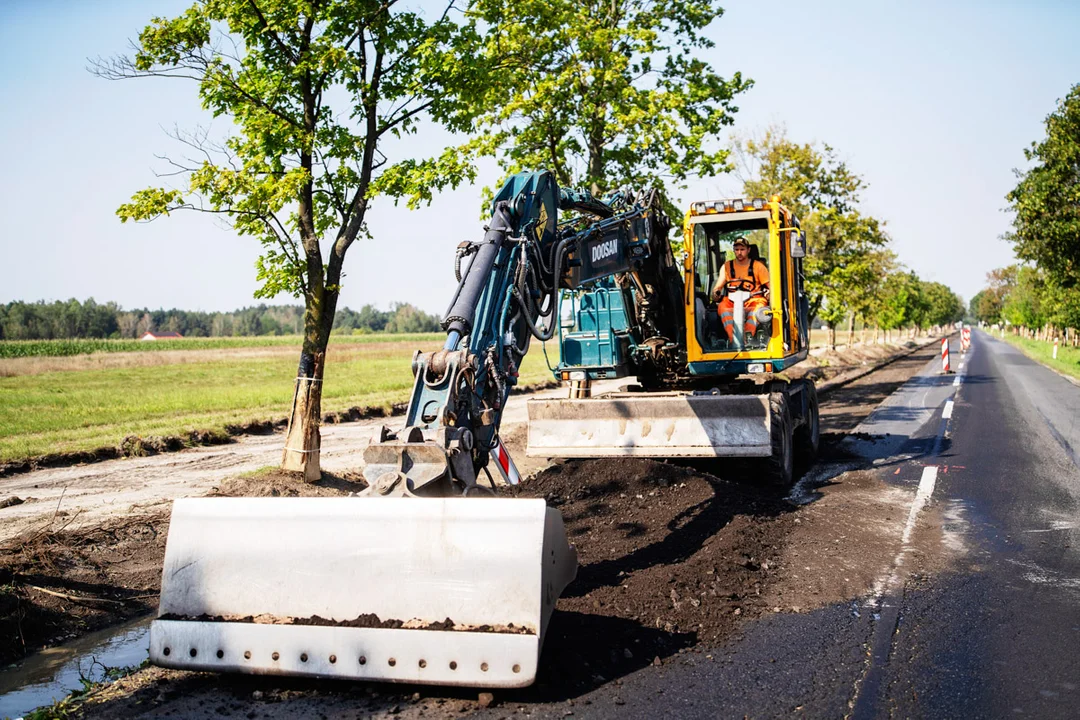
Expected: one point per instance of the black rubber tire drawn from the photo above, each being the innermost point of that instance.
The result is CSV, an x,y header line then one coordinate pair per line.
x,y
780,466
808,435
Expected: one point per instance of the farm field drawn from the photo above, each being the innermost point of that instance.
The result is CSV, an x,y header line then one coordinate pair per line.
x,y
56,401
84,402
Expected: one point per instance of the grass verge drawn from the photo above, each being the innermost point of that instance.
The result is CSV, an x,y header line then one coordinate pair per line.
x,y
1066,363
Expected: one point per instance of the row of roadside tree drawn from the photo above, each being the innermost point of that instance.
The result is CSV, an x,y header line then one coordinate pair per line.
x,y
1040,295
73,319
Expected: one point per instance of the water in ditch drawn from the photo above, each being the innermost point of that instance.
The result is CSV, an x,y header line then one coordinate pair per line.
x,y
53,673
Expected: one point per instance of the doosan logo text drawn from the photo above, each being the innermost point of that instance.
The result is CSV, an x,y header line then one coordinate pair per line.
x,y
604,250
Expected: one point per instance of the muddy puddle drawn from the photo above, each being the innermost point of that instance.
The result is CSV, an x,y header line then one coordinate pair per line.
x,y
53,673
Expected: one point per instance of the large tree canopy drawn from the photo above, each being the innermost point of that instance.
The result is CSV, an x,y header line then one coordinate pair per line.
x,y
313,89
607,93
846,251
1046,200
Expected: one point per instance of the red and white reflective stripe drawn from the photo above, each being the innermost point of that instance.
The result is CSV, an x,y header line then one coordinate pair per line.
x,y
965,339
505,463
945,355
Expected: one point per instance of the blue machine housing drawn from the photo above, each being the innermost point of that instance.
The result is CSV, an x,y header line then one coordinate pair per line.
x,y
599,342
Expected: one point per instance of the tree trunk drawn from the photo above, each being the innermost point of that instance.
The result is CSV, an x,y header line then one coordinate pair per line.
x,y
831,342
851,330
302,439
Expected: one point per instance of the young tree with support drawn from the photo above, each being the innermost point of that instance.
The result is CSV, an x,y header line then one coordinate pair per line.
x,y
313,90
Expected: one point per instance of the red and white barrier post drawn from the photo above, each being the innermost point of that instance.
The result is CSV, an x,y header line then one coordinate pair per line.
x,y
505,464
965,340
945,356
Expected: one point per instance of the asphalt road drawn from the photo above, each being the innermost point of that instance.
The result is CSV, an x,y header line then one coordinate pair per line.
x,y
989,457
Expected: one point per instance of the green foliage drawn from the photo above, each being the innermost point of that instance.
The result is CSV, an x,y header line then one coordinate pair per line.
x,y
901,301
312,92
846,251
1025,303
401,318
808,178
70,348
606,93
72,319
942,305
1046,200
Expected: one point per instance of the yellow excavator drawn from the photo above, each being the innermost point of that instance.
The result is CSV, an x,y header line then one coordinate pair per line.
x,y
429,576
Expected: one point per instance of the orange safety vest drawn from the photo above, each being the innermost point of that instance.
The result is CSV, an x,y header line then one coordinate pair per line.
x,y
734,282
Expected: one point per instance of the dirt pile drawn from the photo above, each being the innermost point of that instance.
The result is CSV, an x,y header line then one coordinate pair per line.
x,y
274,482
669,557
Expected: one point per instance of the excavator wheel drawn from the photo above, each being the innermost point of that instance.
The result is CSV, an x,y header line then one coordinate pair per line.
x,y
779,467
808,435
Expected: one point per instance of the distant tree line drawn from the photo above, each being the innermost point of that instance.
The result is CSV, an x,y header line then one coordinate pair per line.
x,y
1040,295
66,319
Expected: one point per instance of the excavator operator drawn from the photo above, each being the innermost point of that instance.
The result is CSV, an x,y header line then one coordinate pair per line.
x,y
742,273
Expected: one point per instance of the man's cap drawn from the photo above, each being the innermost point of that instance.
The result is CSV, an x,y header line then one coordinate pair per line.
x,y
740,241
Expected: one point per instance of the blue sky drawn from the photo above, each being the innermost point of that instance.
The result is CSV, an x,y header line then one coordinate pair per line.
x,y
932,103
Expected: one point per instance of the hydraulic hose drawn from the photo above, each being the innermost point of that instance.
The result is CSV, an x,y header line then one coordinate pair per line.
x,y
461,313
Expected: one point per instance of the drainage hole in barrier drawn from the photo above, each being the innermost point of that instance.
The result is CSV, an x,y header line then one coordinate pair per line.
x,y
333,659
275,656
220,654
517,668
363,660
247,654
483,667
391,662
453,664
166,651
303,657
193,652
423,663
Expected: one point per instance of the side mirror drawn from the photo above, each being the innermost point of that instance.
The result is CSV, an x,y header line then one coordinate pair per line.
x,y
798,244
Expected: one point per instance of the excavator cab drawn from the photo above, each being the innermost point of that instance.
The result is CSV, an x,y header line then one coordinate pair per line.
x,y
741,326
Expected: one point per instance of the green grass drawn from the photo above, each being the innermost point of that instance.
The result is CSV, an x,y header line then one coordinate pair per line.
x,y
60,348
88,409
1068,359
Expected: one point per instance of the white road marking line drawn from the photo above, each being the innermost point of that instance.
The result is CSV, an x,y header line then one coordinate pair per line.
x,y
947,412
891,577
926,489
956,382
961,363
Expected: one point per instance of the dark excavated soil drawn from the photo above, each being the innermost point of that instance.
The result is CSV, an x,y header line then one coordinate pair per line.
x,y
56,585
669,557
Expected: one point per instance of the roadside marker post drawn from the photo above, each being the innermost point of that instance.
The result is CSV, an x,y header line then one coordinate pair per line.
x,y
505,464
945,356
965,340
1055,348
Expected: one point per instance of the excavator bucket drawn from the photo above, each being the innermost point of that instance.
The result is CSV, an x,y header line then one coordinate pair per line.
x,y
670,424
417,590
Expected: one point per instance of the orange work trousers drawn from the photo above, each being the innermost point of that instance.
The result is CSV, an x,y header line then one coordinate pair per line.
x,y
726,308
